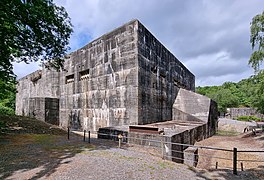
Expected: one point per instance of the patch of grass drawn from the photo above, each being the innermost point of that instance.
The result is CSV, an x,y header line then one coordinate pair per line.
x,y
227,133
44,139
3,127
248,118
165,164
152,167
127,158
24,125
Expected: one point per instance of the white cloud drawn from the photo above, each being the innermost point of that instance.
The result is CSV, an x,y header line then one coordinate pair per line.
x,y
215,69
199,33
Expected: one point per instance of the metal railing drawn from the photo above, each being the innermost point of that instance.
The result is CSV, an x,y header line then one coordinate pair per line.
x,y
231,156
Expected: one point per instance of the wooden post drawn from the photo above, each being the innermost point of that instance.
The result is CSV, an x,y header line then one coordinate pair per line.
x,y
89,135
84,135
119,140
162,148
242,169
68,133
235,161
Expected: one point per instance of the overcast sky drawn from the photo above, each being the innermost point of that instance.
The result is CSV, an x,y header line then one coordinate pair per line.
x,y
211,37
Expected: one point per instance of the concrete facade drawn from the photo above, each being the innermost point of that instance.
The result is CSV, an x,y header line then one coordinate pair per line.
x,y
125,77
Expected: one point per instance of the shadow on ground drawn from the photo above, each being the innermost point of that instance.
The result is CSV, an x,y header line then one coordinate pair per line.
x,y
39,155
37,148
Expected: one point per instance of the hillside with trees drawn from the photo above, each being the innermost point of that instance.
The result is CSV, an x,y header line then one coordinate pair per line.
x,y
245,93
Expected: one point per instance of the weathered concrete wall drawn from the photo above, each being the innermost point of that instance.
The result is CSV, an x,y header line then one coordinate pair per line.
x,y
161,75
236,112
42,83
145,139
44,109
100,87
193,104
36,108
188,105
182,116
125,77
191,156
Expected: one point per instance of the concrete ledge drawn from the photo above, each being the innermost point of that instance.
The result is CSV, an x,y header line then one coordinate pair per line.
x,y
191,156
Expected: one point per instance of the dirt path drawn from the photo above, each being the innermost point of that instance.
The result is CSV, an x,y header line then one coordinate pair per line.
x,y
229,142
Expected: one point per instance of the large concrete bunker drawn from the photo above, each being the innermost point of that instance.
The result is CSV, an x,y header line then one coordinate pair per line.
x,y
125,77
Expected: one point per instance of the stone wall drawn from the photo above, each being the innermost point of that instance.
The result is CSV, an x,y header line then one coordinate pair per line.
x,y
236,112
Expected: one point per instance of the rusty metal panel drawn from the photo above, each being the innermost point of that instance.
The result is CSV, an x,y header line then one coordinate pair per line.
x,y
144,129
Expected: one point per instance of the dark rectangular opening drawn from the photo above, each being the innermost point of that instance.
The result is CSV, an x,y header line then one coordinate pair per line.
x,y
69,79
84,74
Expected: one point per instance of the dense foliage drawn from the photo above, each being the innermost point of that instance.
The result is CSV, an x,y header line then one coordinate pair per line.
x,y
245,93
7,97
32,30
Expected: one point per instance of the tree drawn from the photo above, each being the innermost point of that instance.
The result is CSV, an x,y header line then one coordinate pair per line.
x,y
7,97
257,57
32,30
258,100
257,41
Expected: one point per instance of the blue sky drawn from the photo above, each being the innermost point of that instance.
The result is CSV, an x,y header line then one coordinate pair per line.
x,y
210,37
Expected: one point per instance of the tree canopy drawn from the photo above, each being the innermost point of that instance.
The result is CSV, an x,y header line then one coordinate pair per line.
x,y
32,30
7,97
257,57
246,93
257,41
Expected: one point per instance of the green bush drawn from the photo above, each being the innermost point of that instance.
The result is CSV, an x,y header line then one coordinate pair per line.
x,y
248,118
6,111
2,124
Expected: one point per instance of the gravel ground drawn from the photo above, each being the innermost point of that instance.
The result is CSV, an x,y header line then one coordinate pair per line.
x,y
121,164
103,161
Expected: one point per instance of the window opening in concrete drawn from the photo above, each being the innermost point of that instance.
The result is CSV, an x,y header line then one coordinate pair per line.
x,y
176,83
69,79
84,74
